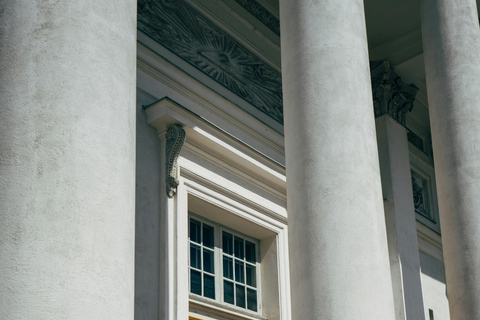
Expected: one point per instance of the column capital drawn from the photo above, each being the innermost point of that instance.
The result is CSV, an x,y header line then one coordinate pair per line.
x,y
391,95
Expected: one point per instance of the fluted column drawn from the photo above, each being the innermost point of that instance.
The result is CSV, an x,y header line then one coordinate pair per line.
x,y
339,263
67,164
451,42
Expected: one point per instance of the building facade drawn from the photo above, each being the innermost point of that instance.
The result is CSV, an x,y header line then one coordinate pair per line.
x,y
240,159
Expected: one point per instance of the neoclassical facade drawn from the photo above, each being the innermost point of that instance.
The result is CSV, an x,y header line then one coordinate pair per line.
x,y
240,159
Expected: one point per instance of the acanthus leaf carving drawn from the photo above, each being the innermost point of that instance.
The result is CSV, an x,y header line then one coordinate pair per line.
x,y
175,138
390,94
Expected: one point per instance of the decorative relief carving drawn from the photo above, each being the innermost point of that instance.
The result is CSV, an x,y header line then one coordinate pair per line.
x,y
415,140
181,29
390,94
262,14
420,195
175,138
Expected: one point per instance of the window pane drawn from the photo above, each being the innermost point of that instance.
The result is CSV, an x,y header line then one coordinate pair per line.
x,y
195,282
227,243
252,299
228,292
195,230
239,248
240,295
239,271
195,258
208,261
228,267
208,239
251,275
209,286
250,251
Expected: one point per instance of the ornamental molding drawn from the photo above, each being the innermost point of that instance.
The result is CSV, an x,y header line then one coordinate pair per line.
x,y
391,95
262,14
175,138
194,38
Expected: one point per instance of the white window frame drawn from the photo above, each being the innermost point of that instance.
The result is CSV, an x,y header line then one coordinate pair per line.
x,y
218,263
249,188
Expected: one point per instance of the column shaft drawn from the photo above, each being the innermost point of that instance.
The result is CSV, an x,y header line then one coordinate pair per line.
x,y
67,165
339,262
451,42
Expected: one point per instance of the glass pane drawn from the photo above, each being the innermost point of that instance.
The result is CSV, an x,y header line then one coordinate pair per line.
x,y
250,251
209,286
239,248
252,299
195,230
228,267
227,243
195,282
208,261
228,292
240,295
239,271
208,239
251,275
195,258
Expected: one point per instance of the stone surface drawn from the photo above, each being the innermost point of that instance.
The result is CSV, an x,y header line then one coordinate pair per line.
x,y
400,218
451,41
67,141
339,262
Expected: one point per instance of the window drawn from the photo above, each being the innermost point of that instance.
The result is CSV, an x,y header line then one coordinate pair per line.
x,y
223,264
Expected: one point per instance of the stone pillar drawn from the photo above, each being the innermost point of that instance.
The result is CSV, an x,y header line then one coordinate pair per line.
x,y
451,42
67,164
392,99
339,262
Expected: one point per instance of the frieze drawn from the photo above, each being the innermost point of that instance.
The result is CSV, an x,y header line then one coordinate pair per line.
x,y
415,140
190,35
390,94
262,14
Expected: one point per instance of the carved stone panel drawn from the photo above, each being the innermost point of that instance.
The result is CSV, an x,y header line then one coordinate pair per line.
x,y
421,195
190,35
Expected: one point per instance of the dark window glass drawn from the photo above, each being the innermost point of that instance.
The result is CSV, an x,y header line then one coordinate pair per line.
x,y
239,253
240,295
227,243
239,271
195,282
228,292
228,267
250,251
252,299
208,238
195,230
195,258
208,264
251,274
209,286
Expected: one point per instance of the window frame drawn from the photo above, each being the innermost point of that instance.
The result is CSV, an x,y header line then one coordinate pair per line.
x,y
218,265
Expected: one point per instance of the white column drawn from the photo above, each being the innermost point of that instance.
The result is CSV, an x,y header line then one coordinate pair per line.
x,y
451,42
339,262
67,164
400,218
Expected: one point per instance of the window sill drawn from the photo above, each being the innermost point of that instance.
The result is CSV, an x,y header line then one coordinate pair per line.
x,y
223,308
